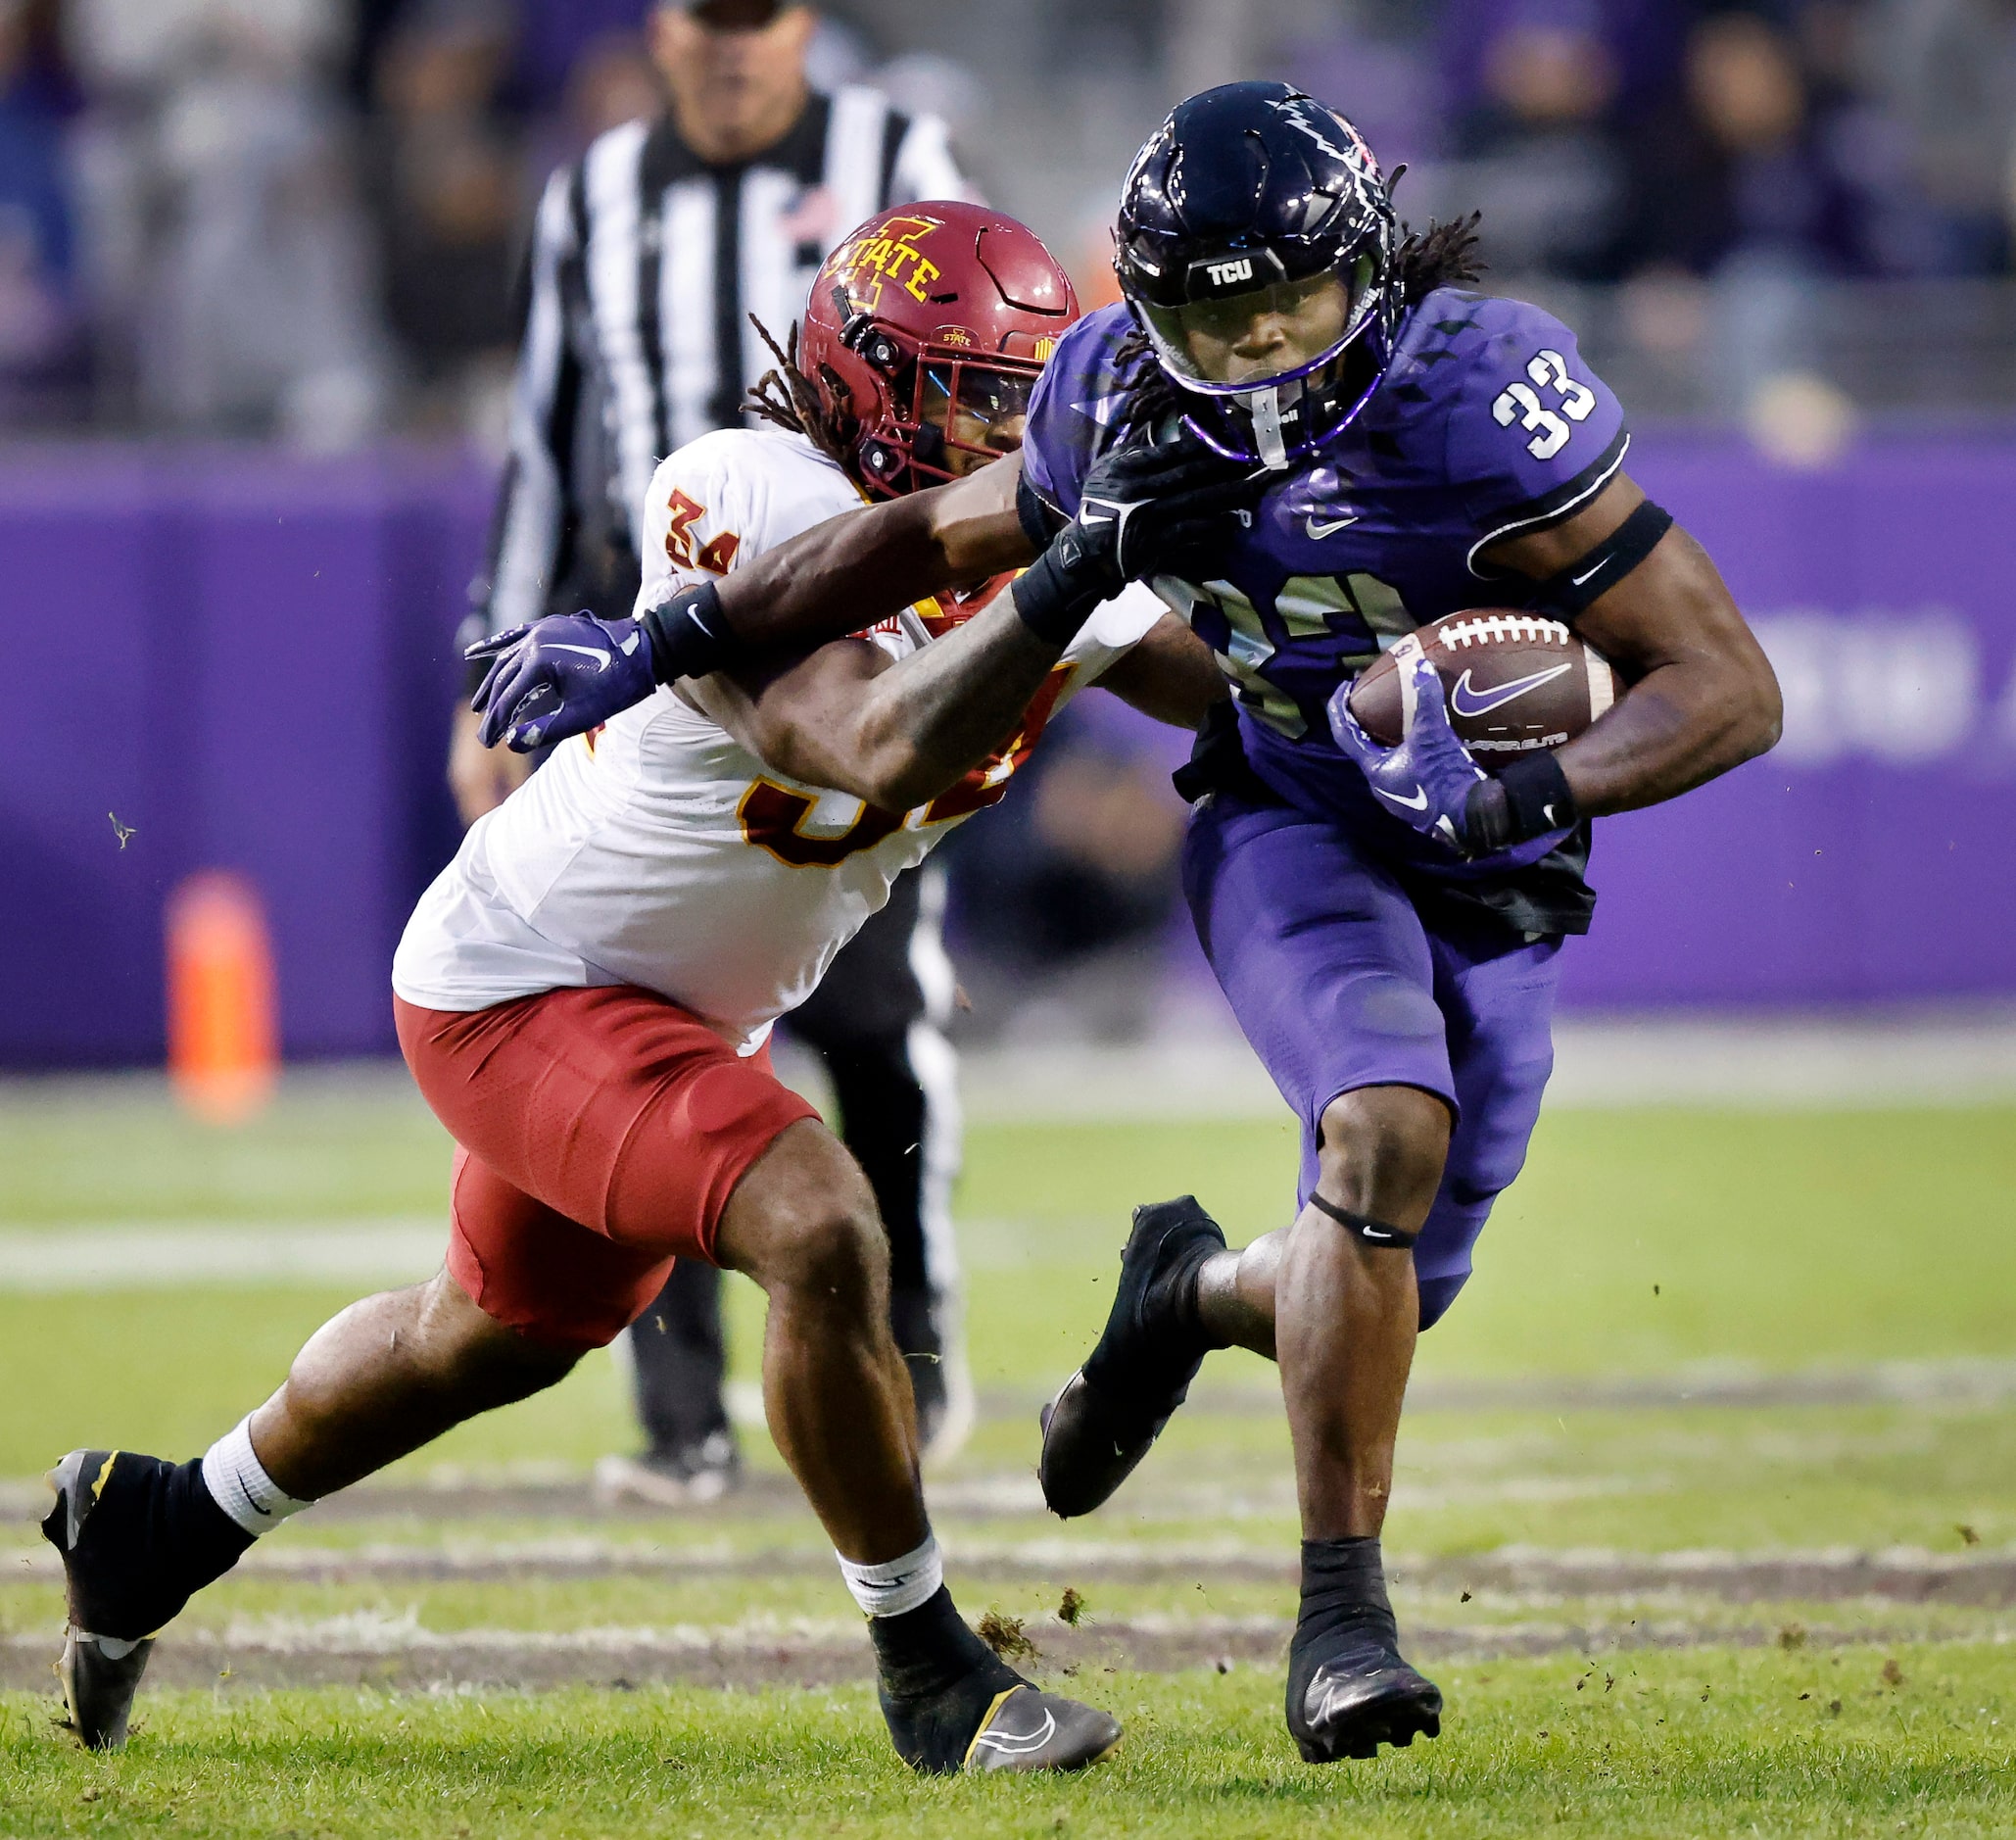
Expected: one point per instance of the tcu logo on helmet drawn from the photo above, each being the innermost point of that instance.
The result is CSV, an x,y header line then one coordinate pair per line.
x,y
1225,273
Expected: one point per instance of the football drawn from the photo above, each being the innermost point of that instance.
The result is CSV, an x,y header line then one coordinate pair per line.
x,y
1514,682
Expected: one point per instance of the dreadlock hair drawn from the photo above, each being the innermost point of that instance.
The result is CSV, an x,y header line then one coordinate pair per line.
x,y
792,401
1441,256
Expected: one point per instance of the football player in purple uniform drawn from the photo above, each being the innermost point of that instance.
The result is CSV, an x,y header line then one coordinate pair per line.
x,y
1386,922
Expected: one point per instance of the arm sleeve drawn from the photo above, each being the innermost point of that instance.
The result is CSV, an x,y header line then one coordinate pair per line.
x,y
1533,434
537,505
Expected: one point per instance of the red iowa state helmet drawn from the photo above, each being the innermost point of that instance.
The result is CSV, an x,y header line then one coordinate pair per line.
x,y
926,330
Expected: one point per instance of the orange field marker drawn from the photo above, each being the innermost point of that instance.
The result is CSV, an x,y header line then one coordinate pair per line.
x,y
222,1015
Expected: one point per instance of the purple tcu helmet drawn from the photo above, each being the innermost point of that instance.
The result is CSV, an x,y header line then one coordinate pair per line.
x,y
1258,250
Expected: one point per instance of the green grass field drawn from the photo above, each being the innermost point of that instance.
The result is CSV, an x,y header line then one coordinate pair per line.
x,y
1704,1520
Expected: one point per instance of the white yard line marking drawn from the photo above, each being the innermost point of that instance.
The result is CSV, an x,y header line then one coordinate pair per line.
x,y
56,1258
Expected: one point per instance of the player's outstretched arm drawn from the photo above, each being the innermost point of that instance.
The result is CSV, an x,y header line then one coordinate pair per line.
x,y
1702,696
896,734
1142,509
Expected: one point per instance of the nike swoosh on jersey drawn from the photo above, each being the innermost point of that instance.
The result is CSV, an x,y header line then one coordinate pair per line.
x,y
602,658
1418,803
1319,530
1465,702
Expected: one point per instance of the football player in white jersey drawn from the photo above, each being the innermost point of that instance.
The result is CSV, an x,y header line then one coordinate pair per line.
x,y
585,994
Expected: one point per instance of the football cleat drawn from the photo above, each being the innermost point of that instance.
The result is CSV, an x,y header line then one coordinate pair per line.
x,y
1112,1410
138,1537
100,1676
1359,1696
951,1703
688,1475
102,1503
1027,1728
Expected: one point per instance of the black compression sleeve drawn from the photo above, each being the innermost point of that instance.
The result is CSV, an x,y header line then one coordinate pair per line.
x,y
689,635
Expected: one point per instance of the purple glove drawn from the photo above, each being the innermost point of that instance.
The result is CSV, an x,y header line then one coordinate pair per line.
x,y
560,676
1426,781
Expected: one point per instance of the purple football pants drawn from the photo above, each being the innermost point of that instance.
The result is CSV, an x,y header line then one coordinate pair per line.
x,y
1339,983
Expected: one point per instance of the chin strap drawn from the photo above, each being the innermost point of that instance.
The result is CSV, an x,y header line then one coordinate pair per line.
x,y
1265,407
1369,1231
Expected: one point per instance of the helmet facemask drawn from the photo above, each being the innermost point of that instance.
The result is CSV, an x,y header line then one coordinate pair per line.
x,y
1276,362
964,414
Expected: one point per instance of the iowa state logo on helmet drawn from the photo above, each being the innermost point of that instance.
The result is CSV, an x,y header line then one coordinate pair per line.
x,y
889,256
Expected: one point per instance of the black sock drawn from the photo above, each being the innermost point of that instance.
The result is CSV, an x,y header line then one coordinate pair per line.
x,y
1343,1593
1172,1296
937,1681
211,1542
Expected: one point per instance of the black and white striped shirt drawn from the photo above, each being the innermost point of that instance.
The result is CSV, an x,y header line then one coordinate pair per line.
x,y
646,265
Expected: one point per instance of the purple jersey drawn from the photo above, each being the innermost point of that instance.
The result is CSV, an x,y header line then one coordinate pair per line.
x,y
1486,423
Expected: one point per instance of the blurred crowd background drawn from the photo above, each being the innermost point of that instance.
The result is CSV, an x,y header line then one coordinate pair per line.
x,y
302,223
302,217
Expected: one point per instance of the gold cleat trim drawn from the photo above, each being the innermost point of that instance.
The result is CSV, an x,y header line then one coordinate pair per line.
x,y
104,1475
1000,1700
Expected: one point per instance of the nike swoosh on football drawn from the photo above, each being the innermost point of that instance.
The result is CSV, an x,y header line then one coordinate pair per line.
x,y
1317,530
1019,1743
602,658
1465,702
1418,803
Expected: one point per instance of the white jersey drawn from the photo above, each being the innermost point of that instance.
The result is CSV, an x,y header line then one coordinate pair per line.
x,y
658,851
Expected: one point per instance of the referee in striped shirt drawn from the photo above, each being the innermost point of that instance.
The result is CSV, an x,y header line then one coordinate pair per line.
x,y
647,257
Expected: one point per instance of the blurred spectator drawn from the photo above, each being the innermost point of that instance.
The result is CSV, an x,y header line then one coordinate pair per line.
x,y
39,349
1641,44
447,185
1541,160
232,254
1945,72
556,36
1734,188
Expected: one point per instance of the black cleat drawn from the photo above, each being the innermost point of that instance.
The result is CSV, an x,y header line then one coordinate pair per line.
x,y
1113,1409
1361,1696
1349,1690
137,1536
1027,1728
952,1703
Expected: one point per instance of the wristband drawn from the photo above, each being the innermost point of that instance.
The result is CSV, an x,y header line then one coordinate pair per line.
x,y
1529,799
689,635
1050,604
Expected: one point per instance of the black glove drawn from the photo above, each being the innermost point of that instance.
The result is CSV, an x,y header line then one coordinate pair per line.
x,y
1143,511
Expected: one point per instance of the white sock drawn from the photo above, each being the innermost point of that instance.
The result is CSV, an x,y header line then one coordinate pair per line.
x,y
239,1484
896,1584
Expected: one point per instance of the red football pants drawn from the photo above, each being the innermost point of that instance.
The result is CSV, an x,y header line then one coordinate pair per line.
x,y
598,1135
